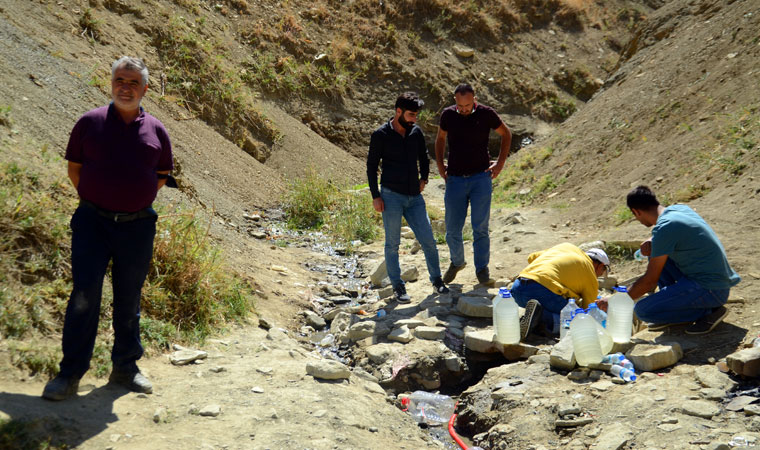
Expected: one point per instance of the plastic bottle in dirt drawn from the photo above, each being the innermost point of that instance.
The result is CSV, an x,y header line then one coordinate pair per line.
x,y
586,346
565,316
620,316
598,314
430,408
622,372
618,359
506,318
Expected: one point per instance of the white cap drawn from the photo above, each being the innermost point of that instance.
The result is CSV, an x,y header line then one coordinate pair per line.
x,y
597,254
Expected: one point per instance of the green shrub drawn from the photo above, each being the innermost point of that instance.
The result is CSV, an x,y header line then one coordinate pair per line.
x,y
622,215
315,203
187,286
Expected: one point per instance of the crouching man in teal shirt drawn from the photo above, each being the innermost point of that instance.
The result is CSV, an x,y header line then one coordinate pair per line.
x,y
686,261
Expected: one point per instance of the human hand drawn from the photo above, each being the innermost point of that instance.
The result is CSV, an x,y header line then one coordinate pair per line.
x,y
378,204
423,183
602,303
495,169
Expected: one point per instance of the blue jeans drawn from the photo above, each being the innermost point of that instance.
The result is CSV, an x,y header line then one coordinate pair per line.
x,y
679,299
95,241
524,290
474,191
412,208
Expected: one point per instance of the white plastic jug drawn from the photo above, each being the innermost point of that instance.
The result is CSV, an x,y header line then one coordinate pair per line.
x,y
620,317
583,330
605,340
506,319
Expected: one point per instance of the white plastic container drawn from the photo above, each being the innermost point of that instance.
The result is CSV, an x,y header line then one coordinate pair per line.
x,y
586,346
506,318
605,340
430,408
620,317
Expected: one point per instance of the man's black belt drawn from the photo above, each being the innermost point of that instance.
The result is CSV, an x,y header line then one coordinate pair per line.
x,y
118,216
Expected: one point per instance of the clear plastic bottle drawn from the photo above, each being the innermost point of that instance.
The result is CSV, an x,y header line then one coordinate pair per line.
x,y
622,372
430,408
506,318
586,346
638,256
620,316
565,316
598,314
618,359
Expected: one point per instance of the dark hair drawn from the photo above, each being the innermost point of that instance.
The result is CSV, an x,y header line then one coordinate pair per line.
x,y
464,88
642,198
409,101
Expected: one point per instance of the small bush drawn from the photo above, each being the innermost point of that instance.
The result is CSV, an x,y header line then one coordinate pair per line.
x,y
622,215
89,26
187,286
315,203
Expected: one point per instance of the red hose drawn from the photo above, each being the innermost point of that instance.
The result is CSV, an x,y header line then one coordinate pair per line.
x,y
453,433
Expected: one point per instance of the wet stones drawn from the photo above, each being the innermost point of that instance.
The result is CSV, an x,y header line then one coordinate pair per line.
x,y
314,320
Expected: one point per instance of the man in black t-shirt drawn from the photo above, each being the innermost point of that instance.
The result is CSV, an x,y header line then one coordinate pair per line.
x,y
468,176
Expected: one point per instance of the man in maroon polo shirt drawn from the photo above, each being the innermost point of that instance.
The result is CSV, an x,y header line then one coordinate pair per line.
x,y
467,125
118,157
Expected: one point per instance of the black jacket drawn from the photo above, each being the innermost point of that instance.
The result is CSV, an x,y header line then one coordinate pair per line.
x,y
400,157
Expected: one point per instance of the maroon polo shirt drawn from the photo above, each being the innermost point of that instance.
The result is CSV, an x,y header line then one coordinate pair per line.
x,y
119,160
468,138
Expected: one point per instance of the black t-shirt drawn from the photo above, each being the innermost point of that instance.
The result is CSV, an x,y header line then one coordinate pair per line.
x,y
468,138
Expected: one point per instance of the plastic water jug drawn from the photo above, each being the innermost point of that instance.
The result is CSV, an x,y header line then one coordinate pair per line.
x,y
605,340
620,316
506,318
565,316
583,331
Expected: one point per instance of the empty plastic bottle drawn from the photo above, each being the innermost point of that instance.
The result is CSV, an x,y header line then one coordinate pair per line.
x,y
565,316
597,314
622,372
620,316
506,318
430,408
638,256
586,346
618,359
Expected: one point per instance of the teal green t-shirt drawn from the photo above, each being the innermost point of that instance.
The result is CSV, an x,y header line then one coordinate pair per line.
x,y
694,247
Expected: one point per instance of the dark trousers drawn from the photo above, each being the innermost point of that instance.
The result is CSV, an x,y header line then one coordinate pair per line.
x,y
97,240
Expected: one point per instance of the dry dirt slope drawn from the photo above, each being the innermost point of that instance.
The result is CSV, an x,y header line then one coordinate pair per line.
x,y
682,115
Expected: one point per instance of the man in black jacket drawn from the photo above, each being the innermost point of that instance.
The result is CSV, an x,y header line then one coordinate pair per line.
x,y
400,145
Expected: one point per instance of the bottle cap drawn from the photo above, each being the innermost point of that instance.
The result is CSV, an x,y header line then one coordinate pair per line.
x,y
592,306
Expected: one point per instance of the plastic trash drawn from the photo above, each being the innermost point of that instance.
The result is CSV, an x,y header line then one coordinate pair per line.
x,y
597,314
327,341
619,359
381,313
506,318
430,408
622,372
583,330
620,316
638,256
566,316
